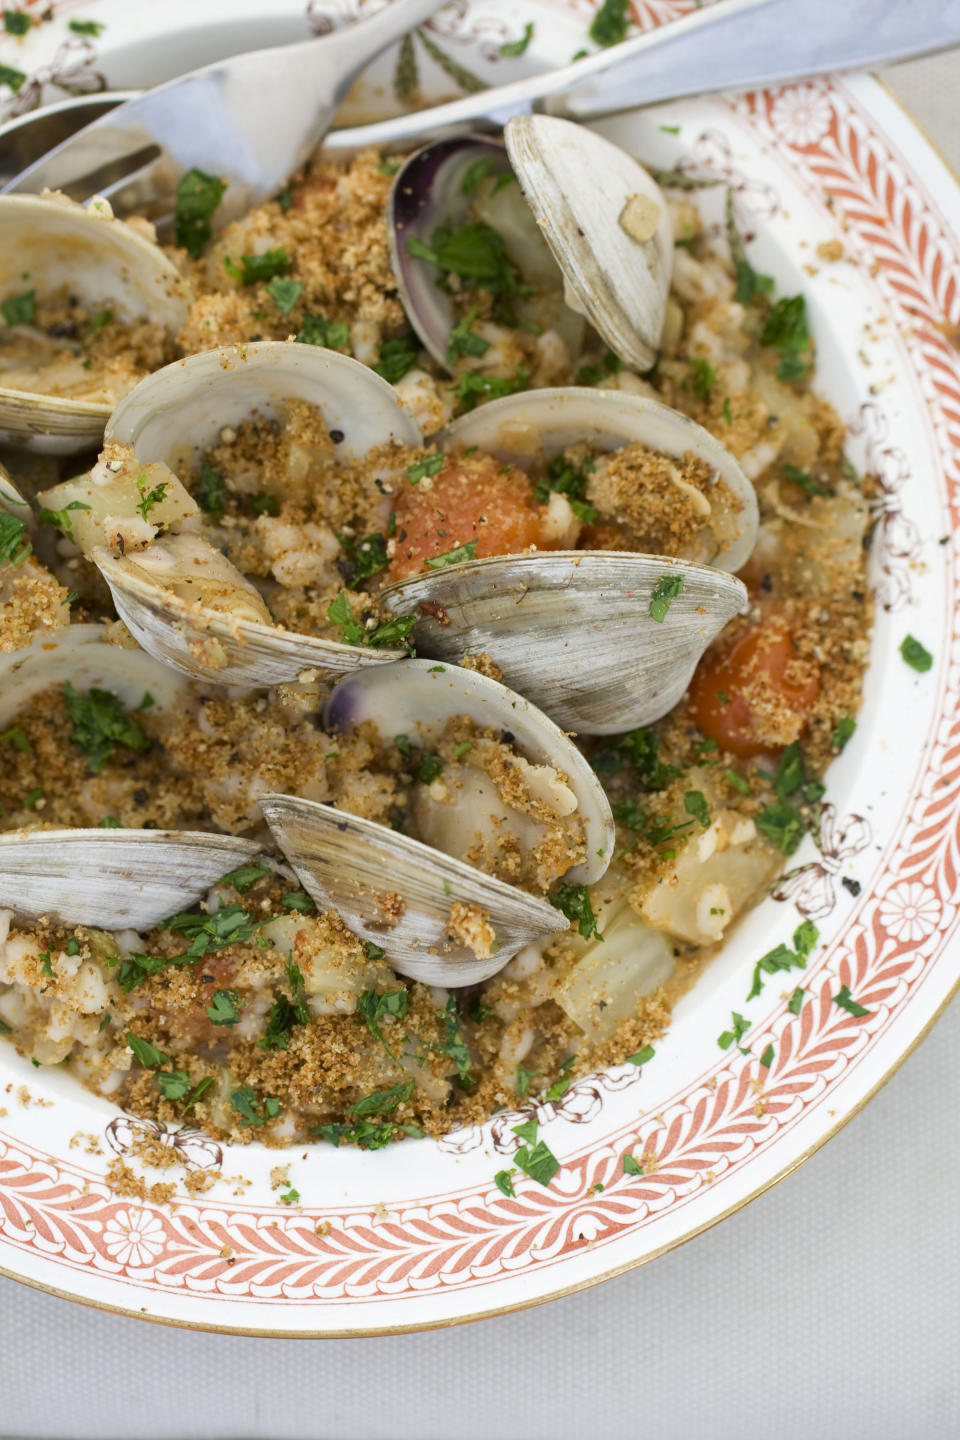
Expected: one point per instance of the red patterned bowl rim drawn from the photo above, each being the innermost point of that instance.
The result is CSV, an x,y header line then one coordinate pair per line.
x,y
843,149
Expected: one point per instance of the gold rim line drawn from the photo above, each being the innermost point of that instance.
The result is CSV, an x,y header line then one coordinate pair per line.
x,y
562,1292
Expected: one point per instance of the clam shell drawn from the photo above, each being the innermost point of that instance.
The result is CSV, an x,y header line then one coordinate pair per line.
x,y
55,243
178,412
580,188
113,879
541,423
357,868
572,630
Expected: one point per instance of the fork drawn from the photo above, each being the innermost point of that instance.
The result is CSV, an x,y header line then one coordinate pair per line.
x,y
251,120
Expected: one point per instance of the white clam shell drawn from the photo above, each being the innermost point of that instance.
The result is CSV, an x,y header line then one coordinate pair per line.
x,y
57,244
578,185
113,879
541,423
177,413
572,630
356,866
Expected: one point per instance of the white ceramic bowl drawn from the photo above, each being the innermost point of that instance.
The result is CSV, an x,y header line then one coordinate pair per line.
x,y
419,1235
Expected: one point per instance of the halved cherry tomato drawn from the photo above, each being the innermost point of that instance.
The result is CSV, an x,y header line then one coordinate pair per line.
x,y
755,696
469,499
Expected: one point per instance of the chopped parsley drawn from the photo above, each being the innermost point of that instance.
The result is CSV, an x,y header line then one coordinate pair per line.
x,y
631,1165
100,724
292,1197
917,656
12,77
329,334
149,498
843,731
463,341
61,518
476,253
29,801
795,1004
574,902
791,772
667,588
372,951
535,1158
284,293
264,504
611,23
786,331
429,769
845,1000
382,1102
286,1012
704,379
429,465
628,813
245,876
395,357
198,196
766,1059
212,491
146,1053
504,1183
252,1111
733,1036
783,825
109,822
73,946
367,1134
296,900
15,737
641,1057
750,283
453,1044
695,804
201,1088
470,386
738,782
804,480
362,558
781,957
642,747
374,1008
224,1007
255,268
522,1082
611,364
392,632
93,28
452,557
562,1084
20,309
228,925
174,1084
569,480
513,48
14,545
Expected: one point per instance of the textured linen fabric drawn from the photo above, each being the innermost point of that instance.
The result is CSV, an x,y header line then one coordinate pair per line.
x,y
829,1307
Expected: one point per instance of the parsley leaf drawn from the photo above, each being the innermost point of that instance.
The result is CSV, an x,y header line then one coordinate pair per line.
x,y
254,268
786,332
87,27
917,656
452,557
845,1000
198,196
843,732
20,309
522,1083
395,357
628,813
61,518
538,1161
804,480
330,334
12,77
642,1057
611,364
611,23
695,804
795,1004
286,1012
643,747
574,902
513,48
148,499
367,1134
750,283
781,957
174,1084
382,1102
781,824
245,876
100,724
224,1008
374,1008
470,386
631,1165
228,925
17,22
565,479
296,900
667,588
14,545
212,495
475,252
429,465
244,1101
704,379
463,341
362,558
504,1183
766,1059
146,1053
733,1037
453,1044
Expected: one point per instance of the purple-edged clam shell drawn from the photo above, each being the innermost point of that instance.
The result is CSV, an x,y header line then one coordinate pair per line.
x,y
427,192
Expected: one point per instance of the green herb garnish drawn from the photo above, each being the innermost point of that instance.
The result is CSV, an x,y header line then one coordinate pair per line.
x,y
695,804
783,825
786,332
20,309
224,1007
382,1102
198,196
513,48
14,545
429,465
245,1103
611,23
284,293
100,724
845,1000
363,558
667,588
733,1036
329,334
395,357
917,656
463,341
470,386
452,557
574,902
374,1008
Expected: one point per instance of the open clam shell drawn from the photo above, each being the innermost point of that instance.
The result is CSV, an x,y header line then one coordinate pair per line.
x,y
399,893
177,413
539,424
606,222
597,210
112,879
572,630
48,243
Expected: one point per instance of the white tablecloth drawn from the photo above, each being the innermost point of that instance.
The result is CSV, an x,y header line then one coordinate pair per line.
x,y
827,1308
